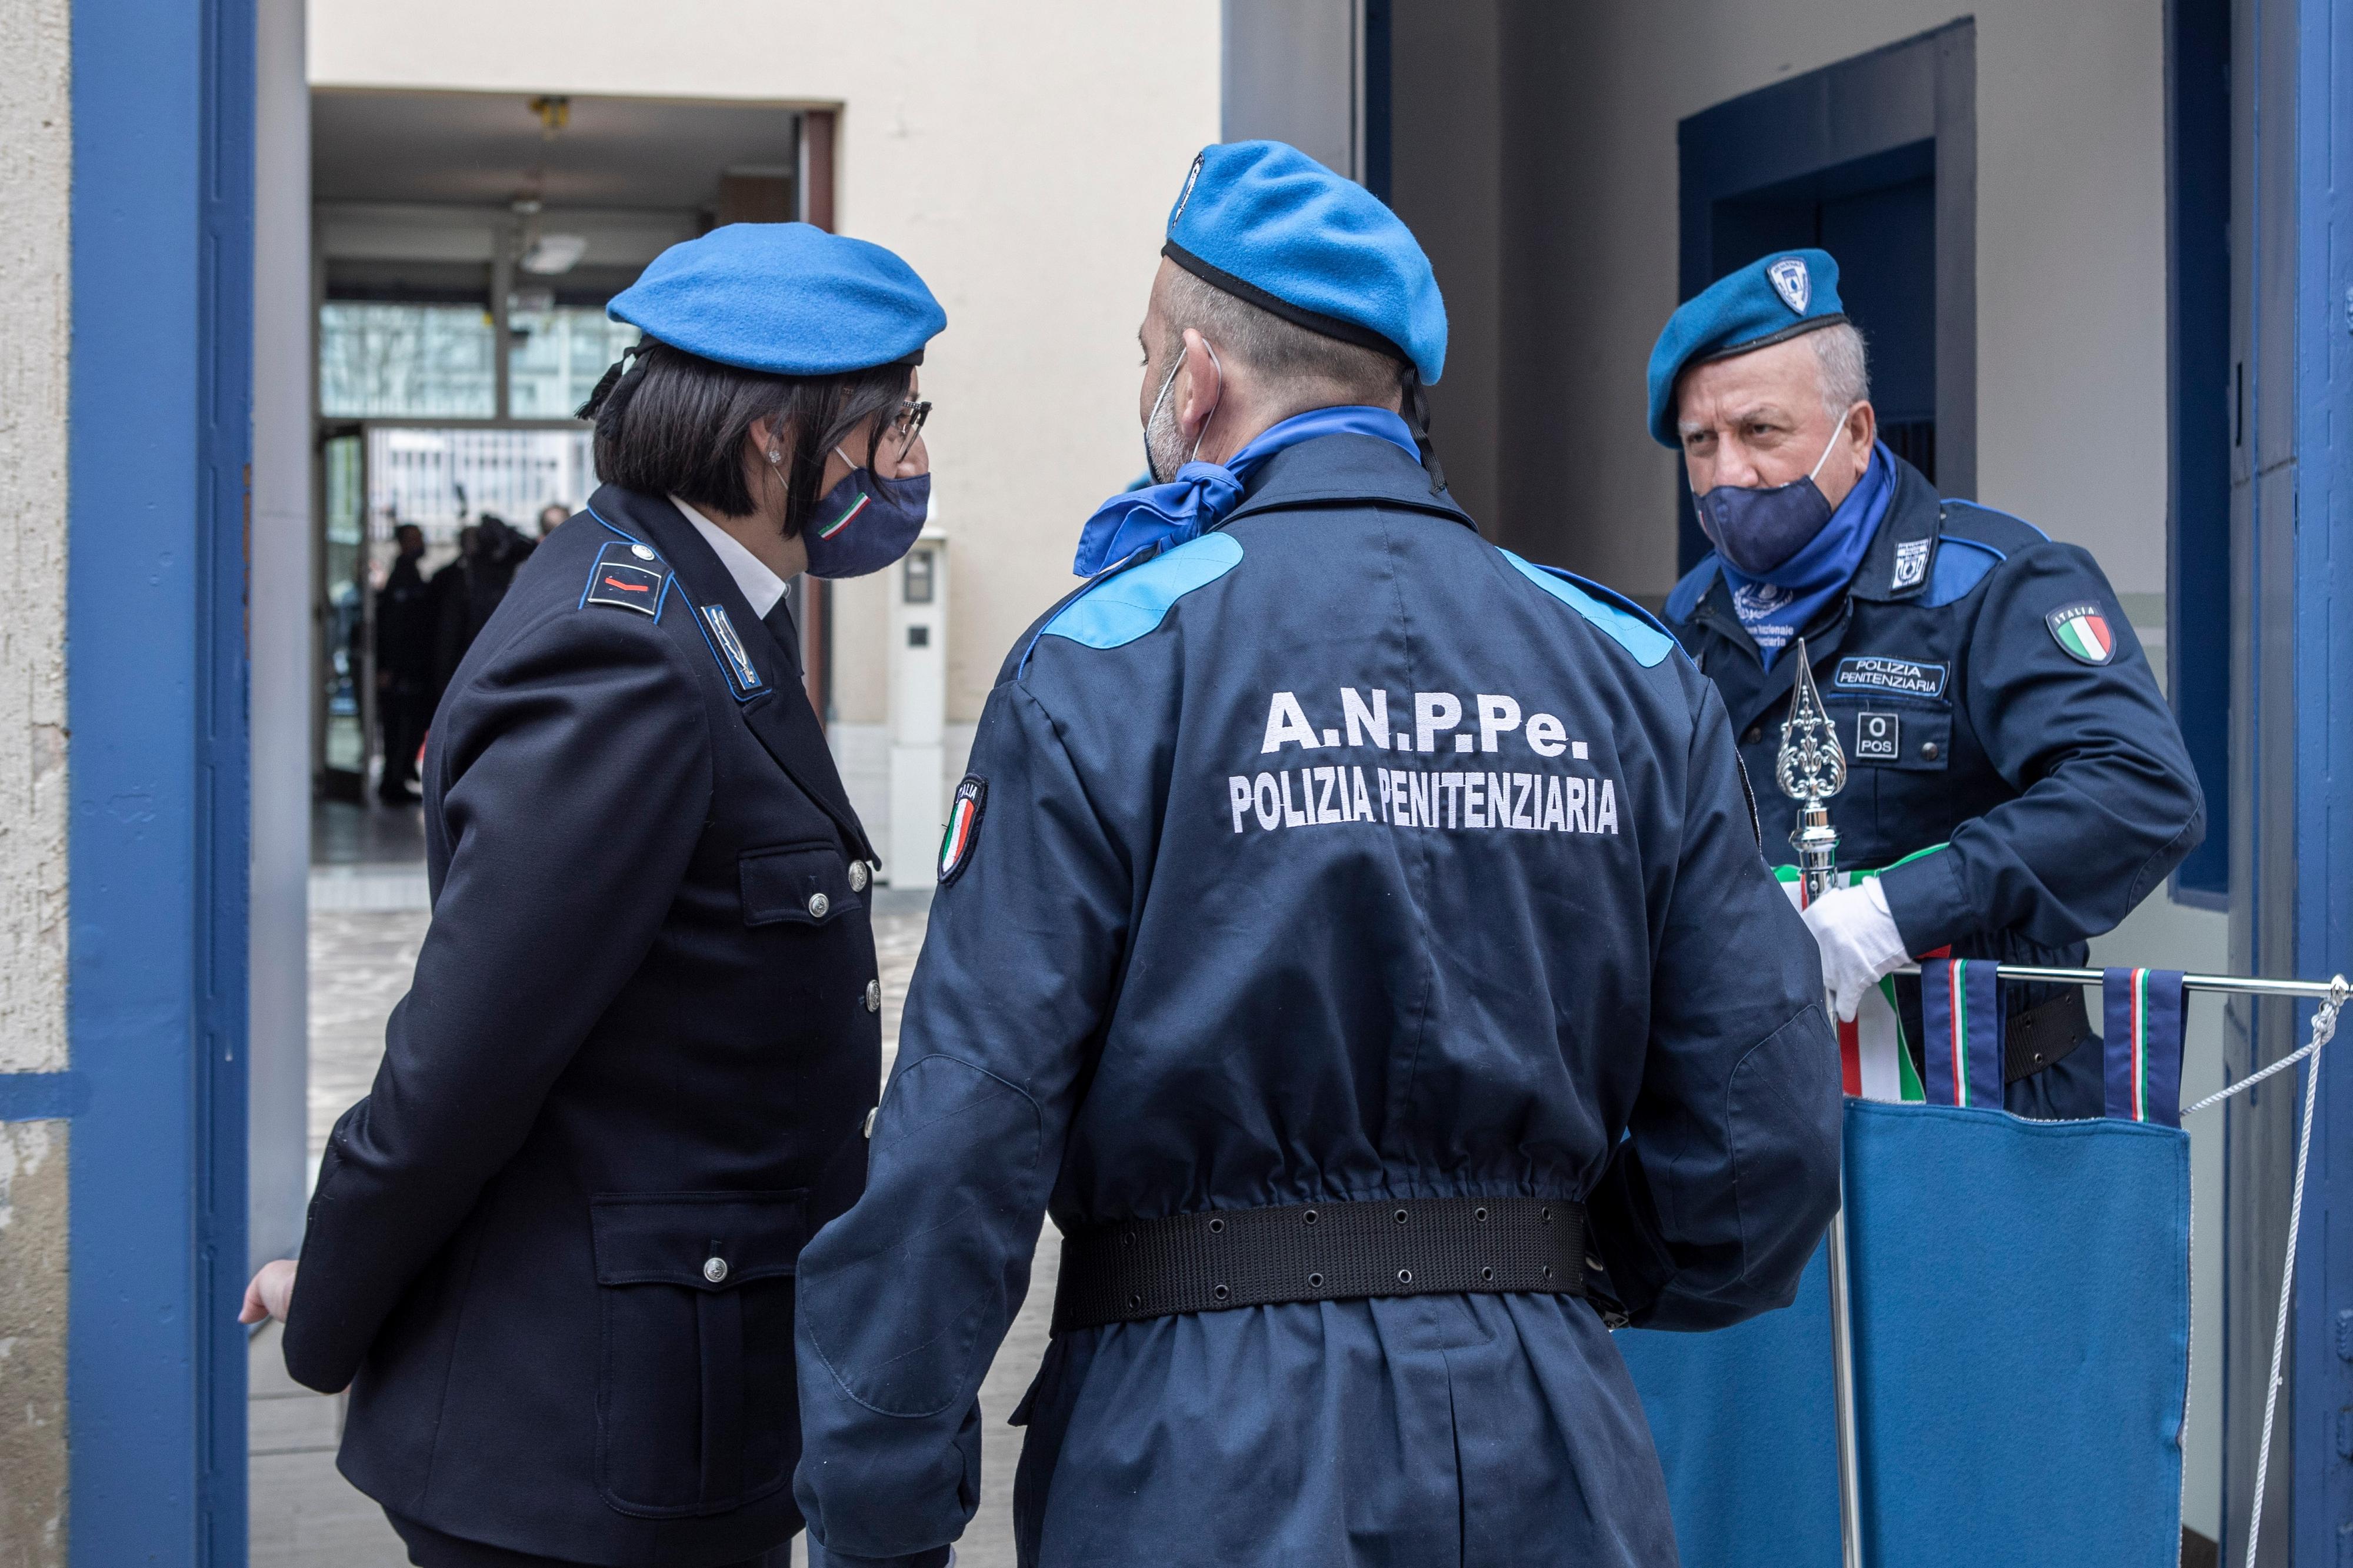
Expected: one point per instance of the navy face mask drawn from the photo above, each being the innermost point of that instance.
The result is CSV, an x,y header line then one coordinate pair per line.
x,y
865,522
1758,530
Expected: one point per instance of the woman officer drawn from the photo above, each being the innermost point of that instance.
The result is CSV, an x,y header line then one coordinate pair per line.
x,y
552,1252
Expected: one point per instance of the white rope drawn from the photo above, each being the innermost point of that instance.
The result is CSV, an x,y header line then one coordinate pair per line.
x,y
2324,1025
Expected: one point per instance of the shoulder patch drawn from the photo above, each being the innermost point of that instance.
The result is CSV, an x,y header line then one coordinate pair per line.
x,y
2081,632
1621,620
1683,599
963,833
1960,564
627,577
1117,609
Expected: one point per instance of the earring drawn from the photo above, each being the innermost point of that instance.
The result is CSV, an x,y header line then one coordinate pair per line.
x,y
776,455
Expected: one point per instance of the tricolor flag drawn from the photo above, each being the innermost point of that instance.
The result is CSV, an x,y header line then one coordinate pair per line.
x,y
1874,1061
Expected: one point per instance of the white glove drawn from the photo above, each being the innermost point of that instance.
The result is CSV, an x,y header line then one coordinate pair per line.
x,y
1858,941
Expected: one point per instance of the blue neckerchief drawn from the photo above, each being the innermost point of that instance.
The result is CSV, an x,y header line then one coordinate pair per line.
x,y
1776,607
1201,494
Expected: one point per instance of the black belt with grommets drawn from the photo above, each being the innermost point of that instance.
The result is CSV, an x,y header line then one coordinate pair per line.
x,y
1222,1258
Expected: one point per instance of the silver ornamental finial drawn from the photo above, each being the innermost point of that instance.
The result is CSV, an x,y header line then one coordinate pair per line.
x,y
1811,768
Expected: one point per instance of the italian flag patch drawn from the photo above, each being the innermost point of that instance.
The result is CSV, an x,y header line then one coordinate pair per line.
x,y
963,827
2081,632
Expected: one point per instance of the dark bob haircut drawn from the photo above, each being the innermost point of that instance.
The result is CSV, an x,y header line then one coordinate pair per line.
x,y
672,422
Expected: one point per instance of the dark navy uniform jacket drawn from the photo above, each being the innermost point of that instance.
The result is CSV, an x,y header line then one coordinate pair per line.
x,y
552,1251
1337,854
2039,796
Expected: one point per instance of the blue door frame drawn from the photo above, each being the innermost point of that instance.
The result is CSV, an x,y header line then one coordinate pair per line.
x,y
2324,757
159,431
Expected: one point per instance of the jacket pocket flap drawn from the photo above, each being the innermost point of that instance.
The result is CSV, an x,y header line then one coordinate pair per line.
x,y
709,1241
807,883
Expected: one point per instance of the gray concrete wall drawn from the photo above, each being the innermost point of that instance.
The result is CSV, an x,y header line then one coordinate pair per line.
x,y
36,189
279,1050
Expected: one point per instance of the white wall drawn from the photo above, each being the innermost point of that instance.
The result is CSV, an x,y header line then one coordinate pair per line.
x,y
36,253
2071,248
1021,158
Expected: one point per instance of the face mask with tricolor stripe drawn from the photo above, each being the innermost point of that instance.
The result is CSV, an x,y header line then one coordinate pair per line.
x,y
866,522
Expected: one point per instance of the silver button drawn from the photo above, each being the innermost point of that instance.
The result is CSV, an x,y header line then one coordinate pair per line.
x,y
714,1269
641,553
857,876
818,904
874,996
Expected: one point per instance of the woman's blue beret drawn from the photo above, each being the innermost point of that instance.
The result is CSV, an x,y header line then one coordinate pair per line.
x,y
786,297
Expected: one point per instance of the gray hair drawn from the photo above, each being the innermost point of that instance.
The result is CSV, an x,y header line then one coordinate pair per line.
x,y
1298,360
1846,368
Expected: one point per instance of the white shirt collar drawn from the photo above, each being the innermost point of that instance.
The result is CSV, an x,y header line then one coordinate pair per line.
x,y
762,588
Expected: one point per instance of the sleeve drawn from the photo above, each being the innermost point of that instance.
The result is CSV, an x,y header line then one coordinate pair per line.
x,y
2108,804
576,783
905,1299
1718,1194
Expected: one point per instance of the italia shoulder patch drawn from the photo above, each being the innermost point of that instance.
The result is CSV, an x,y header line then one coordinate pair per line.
x,y
962,834
627,577
2081,632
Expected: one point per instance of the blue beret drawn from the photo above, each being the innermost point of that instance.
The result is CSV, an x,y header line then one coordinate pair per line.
x,y
786,297
1774,298
1268,223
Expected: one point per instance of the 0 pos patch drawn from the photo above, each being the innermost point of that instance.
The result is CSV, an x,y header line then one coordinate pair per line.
x,y
962,833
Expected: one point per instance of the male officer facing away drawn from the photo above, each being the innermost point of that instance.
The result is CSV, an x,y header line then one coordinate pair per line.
x,y
1331,894
2017,779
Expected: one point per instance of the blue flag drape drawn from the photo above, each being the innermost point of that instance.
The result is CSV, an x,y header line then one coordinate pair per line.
x,y
2020,1301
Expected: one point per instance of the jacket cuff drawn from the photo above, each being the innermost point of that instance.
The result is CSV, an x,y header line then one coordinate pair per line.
x,y
1925,897
820,1556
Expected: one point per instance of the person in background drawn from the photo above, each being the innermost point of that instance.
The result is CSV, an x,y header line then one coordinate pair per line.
x,y
550,518
1347,928
404,665
550,1252
484,571
445,598
2017,782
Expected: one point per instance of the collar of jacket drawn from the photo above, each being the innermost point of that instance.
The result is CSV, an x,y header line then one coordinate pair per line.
x,y
778,715
1333,470
1914,515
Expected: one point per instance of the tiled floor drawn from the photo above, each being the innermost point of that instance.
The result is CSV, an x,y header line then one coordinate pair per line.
x,y
304,1514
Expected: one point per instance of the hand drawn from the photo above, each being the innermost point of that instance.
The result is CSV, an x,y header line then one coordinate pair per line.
x,y
271,1292
1858,941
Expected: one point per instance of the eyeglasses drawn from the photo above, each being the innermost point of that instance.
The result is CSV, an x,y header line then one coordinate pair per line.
x,y
908,422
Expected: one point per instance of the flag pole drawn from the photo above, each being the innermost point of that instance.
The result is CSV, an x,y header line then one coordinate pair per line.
x,y
1810,769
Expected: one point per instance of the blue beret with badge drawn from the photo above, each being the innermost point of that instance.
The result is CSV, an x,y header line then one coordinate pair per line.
x,y
785,297
1770,300
1267,223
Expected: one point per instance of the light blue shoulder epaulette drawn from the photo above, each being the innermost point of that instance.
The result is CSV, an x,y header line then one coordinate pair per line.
x,y
1973,540
1622,620
1128,602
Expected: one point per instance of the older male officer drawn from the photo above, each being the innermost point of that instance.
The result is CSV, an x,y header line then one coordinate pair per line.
x,y
2016,777
1332,893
